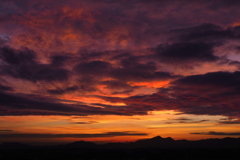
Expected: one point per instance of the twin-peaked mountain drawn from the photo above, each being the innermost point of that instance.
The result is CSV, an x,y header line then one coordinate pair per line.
x,y
166,143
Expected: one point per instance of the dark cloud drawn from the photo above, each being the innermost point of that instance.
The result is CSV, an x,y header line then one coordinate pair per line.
x,y
206,33
88,122
22,64
234,63
63,91
224,4
59,60
109,52
22,103
124,110
191,47
213,93
182,119
86,54
38,72
107,134
186,52
132,69
4,40
185,120
117,85
219,79
5,88
123,92
121,56
135,20
201,121
219,133
12,104
96,68
229,120
17,57
5,130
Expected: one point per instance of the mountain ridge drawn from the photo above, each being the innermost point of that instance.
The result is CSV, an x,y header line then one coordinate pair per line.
x,y
155,142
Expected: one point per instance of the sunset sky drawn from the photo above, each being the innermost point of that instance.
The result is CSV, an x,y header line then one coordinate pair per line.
x,y
118,71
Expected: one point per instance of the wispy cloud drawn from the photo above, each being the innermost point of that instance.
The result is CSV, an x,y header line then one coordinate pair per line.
x,y
219,133
2,130
108,134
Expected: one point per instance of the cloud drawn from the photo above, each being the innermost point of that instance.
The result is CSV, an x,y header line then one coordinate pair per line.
x,y
5,130
206,32
182,119
4,40
107,134
15,104
20,104
213,93
191,47
186,52
102,25
57,60
63,91
220,79
16,57
22,64
116,75
116,85
229,120
74,46
123,92
88,122
200,121
98,68
5,88
219,133
185,120
133,69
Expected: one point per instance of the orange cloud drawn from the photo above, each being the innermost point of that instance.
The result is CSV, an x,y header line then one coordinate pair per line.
x,y
153,84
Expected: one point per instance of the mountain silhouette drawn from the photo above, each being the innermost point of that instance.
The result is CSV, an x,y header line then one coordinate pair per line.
x,y
14,145
144,149
155,142
80,144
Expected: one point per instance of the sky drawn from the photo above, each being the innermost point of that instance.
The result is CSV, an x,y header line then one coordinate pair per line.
x,y
119,71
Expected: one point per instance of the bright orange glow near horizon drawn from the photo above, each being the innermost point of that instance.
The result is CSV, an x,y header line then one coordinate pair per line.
x,y
164,123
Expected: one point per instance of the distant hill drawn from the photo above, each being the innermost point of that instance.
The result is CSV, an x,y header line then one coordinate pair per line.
x,y
14,145
80,144
155,142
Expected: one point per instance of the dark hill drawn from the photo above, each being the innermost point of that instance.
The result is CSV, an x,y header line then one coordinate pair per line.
x,y
80,144
155,142
14,145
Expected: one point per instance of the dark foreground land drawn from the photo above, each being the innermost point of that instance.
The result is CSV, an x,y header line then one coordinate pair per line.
x,y
118,154
157,148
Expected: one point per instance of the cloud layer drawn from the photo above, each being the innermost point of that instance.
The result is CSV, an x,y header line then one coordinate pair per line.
x,y
131,57
108,134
